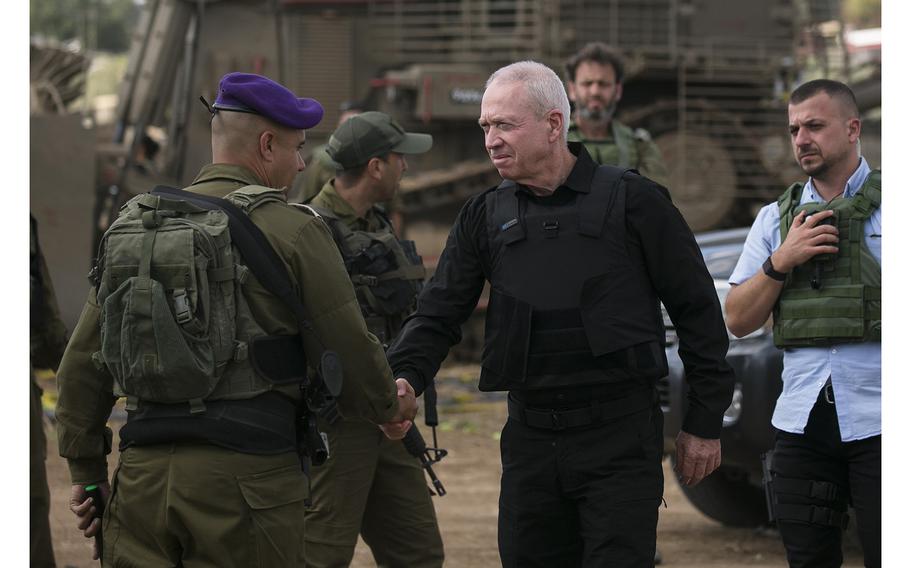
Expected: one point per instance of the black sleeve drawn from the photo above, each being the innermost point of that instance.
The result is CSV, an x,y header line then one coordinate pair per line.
x,y
682,282
446,301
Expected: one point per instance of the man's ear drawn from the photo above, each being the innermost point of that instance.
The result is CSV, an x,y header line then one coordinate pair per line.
x,y
374,168
555,121
266,145
618,92
854,129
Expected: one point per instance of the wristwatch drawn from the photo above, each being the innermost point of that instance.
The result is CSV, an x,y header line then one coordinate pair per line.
x,y
769,270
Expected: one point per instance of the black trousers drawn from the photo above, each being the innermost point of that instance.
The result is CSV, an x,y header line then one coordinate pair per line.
x,y
855,467
583,496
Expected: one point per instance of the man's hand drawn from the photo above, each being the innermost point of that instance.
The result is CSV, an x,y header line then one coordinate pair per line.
x,y
84,510
696,457
805,239
398,426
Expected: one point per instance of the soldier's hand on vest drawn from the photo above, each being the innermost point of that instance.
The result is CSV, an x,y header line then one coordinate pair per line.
x,y
696,458
399,425
806,238
81,505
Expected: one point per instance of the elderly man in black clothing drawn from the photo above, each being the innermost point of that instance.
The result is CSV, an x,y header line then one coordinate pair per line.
x,y
579,258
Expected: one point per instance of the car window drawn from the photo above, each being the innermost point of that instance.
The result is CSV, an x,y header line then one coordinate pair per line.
x,y
721,263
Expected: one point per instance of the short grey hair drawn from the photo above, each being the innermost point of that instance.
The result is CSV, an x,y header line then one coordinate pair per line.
x,y
544,87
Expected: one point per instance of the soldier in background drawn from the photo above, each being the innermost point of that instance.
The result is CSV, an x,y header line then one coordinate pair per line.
x,y
47,342
320,168
371,485
594,83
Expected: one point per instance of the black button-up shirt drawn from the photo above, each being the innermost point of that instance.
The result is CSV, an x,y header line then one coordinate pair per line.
x,y
656,233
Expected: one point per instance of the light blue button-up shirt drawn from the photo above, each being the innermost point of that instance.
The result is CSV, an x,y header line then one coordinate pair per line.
x,y
855,368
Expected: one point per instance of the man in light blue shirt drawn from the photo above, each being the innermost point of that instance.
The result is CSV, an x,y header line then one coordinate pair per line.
x,y
824,289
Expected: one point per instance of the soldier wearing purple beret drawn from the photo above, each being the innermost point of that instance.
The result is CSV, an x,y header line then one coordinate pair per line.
x,y
224,487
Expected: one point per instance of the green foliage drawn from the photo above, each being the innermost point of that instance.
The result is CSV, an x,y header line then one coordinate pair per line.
x,y
99,24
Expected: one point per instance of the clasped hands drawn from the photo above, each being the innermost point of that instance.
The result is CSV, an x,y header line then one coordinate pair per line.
x,y
398,426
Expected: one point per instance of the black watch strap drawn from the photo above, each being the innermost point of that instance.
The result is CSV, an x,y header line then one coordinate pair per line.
x,y
769,270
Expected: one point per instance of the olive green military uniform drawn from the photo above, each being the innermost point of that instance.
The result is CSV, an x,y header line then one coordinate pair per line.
x,y
47,341
319,170
197,504
370,485
625,148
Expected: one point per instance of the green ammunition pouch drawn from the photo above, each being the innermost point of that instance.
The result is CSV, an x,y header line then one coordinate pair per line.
x,y
832,298
175,324
387,273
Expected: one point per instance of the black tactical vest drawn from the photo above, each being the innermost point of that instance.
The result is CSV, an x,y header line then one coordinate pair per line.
x,y
387,272
569,304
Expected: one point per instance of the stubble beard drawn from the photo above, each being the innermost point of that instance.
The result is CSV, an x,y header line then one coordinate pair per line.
x,y
597,117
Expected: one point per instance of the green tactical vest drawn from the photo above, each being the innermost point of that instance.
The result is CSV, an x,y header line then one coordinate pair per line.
x,y
624,150
387,273
175,324
832,298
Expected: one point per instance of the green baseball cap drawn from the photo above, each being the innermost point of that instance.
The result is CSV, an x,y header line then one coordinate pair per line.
x,y
371,134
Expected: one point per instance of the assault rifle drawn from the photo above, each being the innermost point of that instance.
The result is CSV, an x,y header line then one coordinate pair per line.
x,y
413,441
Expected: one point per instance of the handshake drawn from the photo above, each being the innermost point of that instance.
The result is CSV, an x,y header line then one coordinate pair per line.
x,y
398,426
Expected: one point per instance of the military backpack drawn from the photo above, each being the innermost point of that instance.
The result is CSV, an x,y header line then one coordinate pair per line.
x,y
175,325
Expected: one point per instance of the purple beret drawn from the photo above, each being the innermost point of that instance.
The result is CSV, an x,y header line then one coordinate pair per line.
x,y
246,92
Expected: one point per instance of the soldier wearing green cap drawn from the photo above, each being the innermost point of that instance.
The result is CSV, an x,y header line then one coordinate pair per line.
x,y
371,485
217,481
594,84
320,168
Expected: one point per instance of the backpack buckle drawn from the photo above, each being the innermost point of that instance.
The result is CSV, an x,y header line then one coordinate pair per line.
x,y
182,311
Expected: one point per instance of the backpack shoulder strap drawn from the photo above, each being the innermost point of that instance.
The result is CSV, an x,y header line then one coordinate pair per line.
x,y
252,196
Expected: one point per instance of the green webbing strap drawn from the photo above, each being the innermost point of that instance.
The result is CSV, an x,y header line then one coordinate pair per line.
x,y
786,203
407,272
154,202
143,287
854,238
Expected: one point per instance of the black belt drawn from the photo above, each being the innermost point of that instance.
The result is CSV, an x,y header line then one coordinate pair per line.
x,y
596,412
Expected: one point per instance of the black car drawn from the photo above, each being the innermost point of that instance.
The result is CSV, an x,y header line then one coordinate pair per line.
x,y
733,494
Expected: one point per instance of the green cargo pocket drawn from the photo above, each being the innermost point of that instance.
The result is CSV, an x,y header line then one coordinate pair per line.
x,y
275,499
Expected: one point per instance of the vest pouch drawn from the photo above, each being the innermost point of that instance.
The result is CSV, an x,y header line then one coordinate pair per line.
x,y
613,315
812,317
392,297
507,334
149,354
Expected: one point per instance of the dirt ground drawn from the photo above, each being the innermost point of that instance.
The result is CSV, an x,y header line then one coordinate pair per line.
x,y
469,429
